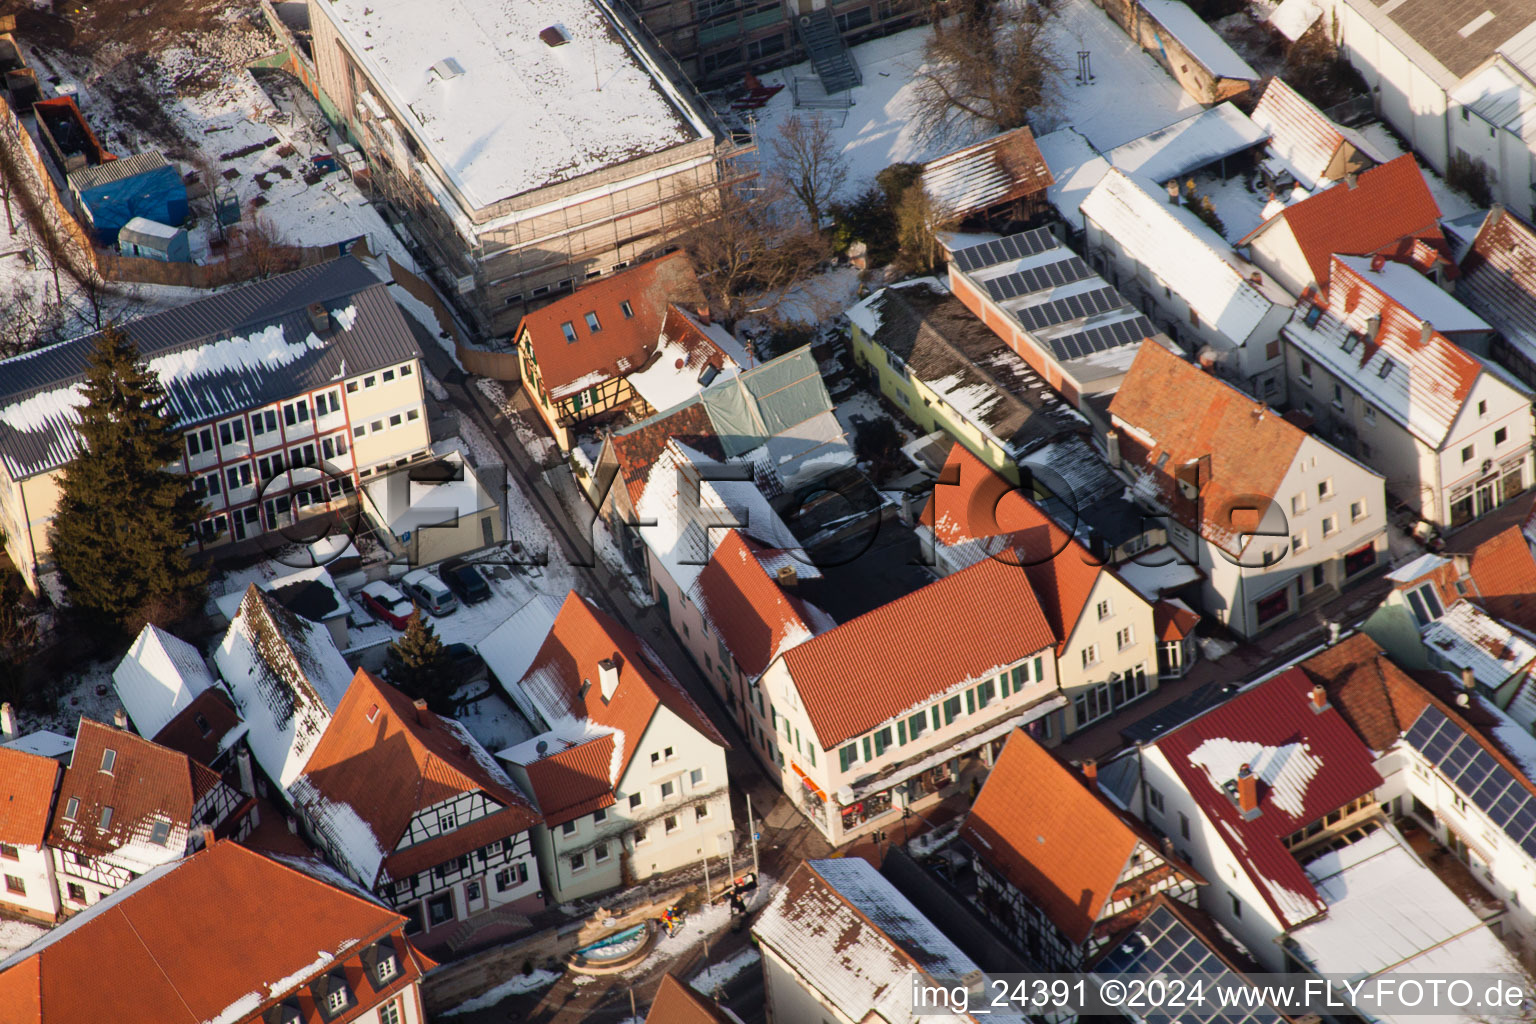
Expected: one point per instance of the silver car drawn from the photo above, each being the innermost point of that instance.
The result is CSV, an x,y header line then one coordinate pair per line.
x,y
429,592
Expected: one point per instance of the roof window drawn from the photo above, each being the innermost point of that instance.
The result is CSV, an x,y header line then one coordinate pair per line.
x,y
1314,314
108,759
1387,366
569,329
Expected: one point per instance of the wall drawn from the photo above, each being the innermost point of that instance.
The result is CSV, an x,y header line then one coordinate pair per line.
x,y
1039,359
1127,610
1182,66
1406,96
1276,252
34,867
790,1000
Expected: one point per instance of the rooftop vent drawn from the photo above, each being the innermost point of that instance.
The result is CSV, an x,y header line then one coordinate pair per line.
x,y
447,68
555,35
319,317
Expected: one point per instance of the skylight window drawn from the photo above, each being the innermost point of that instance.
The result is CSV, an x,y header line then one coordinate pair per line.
x,y
1387,366
592,323
1313,316
570,332
627,309
1351,339
108,759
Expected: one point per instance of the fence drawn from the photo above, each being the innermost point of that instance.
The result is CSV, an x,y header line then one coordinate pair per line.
x,y
479,361
68,244
276,259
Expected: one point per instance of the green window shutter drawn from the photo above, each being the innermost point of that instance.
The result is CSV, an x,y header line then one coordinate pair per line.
x,y
901,733
810,752
1020,676
970,702
935,710
1039,669
868,756
848,756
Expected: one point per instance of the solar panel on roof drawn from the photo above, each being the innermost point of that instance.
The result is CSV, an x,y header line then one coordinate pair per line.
x,y
1458,757
1423,727
1504,808
1477,770
1493,787
1521,822
1000,250
1477,774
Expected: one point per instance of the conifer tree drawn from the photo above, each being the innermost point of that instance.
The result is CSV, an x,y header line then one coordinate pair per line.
x,y
421,666
124,518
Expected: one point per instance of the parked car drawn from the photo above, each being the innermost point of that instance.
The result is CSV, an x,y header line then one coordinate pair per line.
x,y
465,580
429,592
387,604
468,666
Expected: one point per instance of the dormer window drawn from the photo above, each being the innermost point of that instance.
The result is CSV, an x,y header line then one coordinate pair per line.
x,y
286,1012
1425,604
106,818
387,968
333,995
108,759
1387,366
202,723
337,1000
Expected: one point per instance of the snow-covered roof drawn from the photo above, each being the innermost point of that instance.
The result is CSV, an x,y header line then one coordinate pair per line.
x,y
1416,293
1188,145
1293,17
1370,930
236,350
286,677
1465,636
408,504
527,111
1001,169
510,648
149,228
1301,136
1183,252
1502,99
157,678
1415,568
688,356
1157,572
1498,278
43,742
1420,383
851,936
1076,167
292,589
1202,42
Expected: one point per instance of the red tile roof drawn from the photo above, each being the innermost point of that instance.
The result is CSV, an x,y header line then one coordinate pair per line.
x,y
221,935
185,733
581,637
622,344
678,1003
147,782
1376,697
387,760
26,796
1239,448
572,782
637,448
971,502
1053,837
746,606
1499,275
1504,575
961,628
1173,621
1310,763
1385,212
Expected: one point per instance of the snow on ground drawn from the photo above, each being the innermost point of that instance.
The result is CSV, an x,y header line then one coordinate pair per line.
x,y
820,298
718,975
77,698
864,405
1452,203
698,926
1129,97
539,446
928,842
16,934
515,986
492,720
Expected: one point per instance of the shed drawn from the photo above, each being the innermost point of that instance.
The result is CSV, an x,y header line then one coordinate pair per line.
x,y
144,186
153,240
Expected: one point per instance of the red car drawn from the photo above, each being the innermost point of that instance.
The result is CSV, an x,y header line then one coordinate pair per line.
x,y
387,604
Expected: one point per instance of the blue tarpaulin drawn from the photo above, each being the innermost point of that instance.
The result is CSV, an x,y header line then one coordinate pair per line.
x,y
157,194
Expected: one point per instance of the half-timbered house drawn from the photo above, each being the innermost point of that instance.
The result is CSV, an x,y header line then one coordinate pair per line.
x,y
1059,869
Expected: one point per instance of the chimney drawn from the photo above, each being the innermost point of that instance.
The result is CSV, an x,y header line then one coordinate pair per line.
x,y
319,317
1351,179
1247,792
421,710
608,676
1469,680
247,776
1112,444
1173,192
1377,263
1090,769
120,718
7,720
787,576
1333,632
1256,279
207,834
1167,845
1319,699
1372,326
1425,330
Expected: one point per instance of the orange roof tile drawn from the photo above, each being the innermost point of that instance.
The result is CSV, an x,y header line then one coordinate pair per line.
x,y
621,344
1504,573
221,935
1387,209
147,782
677,1003
746,606
638,447
573,781
185,731
971,502
28,786
1376,697
565,675
387,760
961,628
1239,448
1173,621
1052,836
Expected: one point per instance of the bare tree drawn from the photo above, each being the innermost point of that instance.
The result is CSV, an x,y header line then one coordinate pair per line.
x,y
992,66
810,164
261,250
918,223
750,247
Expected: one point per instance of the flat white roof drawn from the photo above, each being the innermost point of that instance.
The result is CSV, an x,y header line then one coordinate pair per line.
x,y
523,114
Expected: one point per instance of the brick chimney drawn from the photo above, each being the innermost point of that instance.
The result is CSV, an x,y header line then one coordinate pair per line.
x,y
1426,329
120,718
1090,769
608,676
1372,326
7,720
1247,792
787,575
319,317
1469,680
1112,447
1378,262
421,710
207,834
1319,699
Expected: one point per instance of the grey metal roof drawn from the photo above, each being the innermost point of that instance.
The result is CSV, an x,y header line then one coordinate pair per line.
x,y
115,170
241,349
